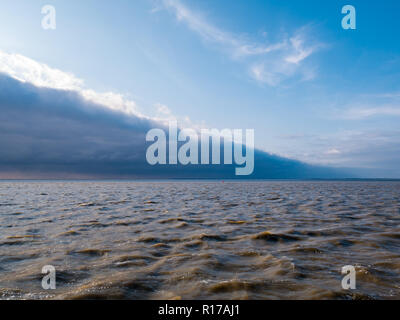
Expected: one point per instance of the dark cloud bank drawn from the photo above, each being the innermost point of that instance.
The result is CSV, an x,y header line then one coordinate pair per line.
x,y
48,133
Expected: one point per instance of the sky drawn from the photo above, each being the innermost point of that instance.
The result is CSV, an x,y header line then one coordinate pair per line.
x,y
311,90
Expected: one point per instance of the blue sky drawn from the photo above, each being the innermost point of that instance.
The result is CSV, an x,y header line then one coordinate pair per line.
x,y
311,90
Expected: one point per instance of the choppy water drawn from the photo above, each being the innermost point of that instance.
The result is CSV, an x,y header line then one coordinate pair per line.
x,y
193,240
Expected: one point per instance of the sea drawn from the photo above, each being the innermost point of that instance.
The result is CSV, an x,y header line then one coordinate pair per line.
x,y
200,239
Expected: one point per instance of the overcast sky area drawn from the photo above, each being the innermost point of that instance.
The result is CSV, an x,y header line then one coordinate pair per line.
x,y
111,70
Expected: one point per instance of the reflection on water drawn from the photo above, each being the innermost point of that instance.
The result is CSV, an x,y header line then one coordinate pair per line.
x,y
192,240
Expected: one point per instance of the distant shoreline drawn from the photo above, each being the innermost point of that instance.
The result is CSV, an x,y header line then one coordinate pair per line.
x,y
205,180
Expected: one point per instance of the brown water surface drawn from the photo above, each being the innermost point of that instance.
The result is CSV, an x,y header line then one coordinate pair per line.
x,y
200,239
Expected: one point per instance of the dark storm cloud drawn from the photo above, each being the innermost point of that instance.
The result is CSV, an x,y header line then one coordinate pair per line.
x,y
54,130
50,133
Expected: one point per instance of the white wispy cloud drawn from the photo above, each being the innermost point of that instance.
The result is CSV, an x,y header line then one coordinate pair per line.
x,y
269,63
332,151
301,52
364,106
359,113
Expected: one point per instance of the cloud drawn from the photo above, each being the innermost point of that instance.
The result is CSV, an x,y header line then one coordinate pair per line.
x,y
200,25
270,63
365,106
27,70
367,112
53,128
300,51
377,150
39,74
332,151
53,133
